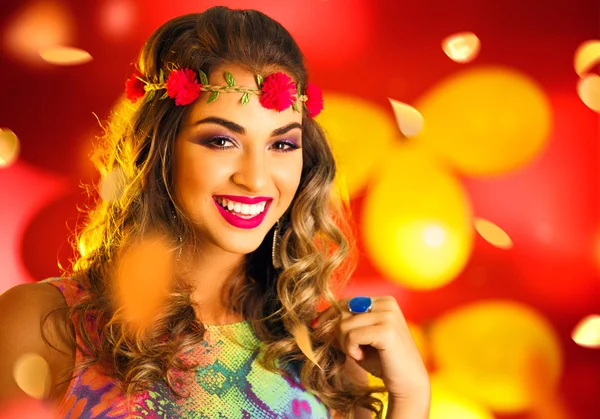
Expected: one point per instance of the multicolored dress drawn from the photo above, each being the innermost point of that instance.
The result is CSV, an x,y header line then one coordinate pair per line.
x,y
228,383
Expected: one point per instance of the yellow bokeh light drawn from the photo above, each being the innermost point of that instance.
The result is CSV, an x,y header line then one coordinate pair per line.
x,y
493,234
360,133
588,89
143,279
37,26
497,353
378,382
587,332
462,47
485,121
112,185
587,56
448,404
9,147
32,374
60,55
409,235
410,120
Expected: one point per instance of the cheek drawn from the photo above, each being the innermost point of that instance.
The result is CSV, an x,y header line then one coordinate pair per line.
x,y
288,178
198,177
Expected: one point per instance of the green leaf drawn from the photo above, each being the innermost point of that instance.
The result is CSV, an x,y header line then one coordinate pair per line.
x,y
161,77
245,98
164,96
230,79
151,96
295,106
203,78
213,97
259,81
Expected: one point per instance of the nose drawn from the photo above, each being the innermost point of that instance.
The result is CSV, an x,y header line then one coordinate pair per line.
x,y
252,172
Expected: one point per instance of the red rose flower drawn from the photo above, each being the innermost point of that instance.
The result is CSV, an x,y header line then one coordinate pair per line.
x,y
314,101
134,87
278,92
183,86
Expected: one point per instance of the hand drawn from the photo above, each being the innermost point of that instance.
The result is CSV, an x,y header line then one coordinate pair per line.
x,y
381,344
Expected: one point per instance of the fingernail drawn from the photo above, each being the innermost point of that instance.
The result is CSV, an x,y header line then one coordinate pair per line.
x,y
313,324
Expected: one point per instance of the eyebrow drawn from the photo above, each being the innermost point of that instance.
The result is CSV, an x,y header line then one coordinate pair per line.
x,y
238,129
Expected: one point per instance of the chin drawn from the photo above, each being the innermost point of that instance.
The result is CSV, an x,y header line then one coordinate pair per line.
x,y
240,245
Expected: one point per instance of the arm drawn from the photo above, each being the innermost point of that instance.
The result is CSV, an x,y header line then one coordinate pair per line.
x,y
413,408
22,310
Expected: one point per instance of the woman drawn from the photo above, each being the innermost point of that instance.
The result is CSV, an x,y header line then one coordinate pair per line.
x,y
221,159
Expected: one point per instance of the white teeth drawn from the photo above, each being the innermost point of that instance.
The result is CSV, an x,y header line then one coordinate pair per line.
x,y
245,209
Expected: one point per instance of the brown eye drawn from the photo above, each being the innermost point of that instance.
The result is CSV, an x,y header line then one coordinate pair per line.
x,y
220,143
285,146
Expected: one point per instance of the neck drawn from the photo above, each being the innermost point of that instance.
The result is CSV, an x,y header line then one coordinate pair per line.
x,y
212,272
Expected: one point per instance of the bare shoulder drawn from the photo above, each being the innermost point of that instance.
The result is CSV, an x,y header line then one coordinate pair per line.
x,y
22,312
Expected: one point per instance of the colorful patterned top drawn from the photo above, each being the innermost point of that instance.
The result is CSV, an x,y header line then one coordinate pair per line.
x,y
229,383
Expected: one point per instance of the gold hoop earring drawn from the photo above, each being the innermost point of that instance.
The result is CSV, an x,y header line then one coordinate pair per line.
x,y
275,249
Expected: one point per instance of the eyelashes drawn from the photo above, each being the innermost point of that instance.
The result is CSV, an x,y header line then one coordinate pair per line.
x,y
226,143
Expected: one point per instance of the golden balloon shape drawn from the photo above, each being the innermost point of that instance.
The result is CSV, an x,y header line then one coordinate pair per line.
x,y
359,133
36,26
588,89
409,120
587,332
32,374
485,351
485,121
446,403
417,221
59,55
493,234
462,47
587,56
9,147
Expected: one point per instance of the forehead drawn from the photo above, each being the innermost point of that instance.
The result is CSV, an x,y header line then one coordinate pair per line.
x,y
252,116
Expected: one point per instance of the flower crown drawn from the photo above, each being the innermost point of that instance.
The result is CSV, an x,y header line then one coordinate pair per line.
x,y
277,91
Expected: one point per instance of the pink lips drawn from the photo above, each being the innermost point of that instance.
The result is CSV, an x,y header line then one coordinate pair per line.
x,y
239,222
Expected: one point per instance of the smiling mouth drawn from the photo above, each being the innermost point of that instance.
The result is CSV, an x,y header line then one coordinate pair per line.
x,y
244,211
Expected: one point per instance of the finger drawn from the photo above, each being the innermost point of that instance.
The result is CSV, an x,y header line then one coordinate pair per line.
x,y
329,314
386,318
380,337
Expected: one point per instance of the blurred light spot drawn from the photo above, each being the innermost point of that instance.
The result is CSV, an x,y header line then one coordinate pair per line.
x,y
37,26
544,232
586,56
111,187
143,279
9,147
493,234
449,404
588,89
26,408
117,17
32,374
65,56
587,332
410,120
462,47
434,236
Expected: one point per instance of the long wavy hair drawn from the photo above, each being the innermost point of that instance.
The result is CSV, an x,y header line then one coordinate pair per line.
x,y
314,250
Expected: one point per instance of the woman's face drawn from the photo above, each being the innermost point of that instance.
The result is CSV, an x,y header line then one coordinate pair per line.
x,y
242,157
